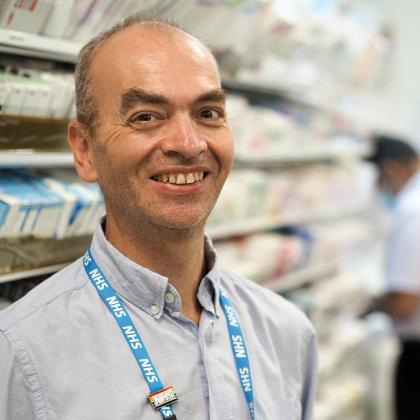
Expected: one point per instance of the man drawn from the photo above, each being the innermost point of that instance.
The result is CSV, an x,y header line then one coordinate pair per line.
x,y
399,178
151,128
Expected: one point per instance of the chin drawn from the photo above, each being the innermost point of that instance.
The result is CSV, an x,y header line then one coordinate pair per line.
x,y
183,223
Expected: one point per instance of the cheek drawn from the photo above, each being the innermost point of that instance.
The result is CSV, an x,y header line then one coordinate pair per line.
x,y
224,150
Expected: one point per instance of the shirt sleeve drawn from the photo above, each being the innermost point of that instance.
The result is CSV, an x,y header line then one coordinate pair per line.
x,y
309,370
15,397
403,257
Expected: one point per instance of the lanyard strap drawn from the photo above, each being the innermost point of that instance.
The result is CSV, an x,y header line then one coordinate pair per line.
x,y
134,341
239,351
129,331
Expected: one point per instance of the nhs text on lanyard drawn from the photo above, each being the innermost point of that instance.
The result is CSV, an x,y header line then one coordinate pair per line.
x,y
160,397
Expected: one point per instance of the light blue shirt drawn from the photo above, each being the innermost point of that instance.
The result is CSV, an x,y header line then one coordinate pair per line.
x,y
63,357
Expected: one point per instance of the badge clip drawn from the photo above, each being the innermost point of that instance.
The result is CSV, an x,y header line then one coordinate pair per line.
x,y
166,396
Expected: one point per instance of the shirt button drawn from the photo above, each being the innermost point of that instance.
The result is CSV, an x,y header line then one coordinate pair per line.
x,y
169,297
154,309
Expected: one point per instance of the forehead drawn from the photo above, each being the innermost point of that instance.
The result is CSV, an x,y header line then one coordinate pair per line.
x,y
165,60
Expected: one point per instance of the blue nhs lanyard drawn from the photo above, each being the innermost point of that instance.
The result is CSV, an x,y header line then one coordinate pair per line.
x,y
134,341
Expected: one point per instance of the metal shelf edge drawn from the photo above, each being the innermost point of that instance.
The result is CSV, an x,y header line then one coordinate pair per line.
x,y
300,277
23,43
18,275
36,159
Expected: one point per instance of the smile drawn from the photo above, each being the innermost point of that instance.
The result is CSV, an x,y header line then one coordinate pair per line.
x,y
180,178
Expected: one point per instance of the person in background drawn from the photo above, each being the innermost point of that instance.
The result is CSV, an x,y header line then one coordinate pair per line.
x,y
399,180
147,325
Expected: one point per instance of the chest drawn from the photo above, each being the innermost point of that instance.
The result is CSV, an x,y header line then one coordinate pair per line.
x,y
95,375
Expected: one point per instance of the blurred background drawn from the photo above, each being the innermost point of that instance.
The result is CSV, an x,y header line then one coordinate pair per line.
x,y
311,84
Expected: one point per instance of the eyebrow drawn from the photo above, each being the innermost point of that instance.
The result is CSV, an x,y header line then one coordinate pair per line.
x,y
133,96
215,95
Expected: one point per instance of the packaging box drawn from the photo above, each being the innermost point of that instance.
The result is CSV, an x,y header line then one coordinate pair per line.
x,y
26,16
88,206
33,210
5,90
16,95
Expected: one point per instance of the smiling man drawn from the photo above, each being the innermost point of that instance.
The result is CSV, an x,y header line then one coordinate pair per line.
x,y
147,325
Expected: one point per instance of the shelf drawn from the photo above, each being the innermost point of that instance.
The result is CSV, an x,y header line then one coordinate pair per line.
x,y
271,91
30,45
287,158
29,158
18,275
244,227
302,276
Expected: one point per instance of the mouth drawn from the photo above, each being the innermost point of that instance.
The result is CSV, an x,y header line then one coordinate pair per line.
x,y
180,178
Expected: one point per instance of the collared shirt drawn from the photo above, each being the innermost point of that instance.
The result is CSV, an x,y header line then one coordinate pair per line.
x,y
402,265
63,357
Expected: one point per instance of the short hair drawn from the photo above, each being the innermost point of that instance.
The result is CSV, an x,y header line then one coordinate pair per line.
x,y
86,109
392,148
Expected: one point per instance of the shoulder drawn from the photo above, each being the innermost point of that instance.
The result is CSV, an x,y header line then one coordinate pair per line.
x,y
48,294
266,305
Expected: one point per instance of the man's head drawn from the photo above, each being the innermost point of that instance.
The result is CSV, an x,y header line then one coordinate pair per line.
x,y
396,161
151,125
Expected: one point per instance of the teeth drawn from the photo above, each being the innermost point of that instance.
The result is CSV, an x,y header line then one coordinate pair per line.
x,y
180,179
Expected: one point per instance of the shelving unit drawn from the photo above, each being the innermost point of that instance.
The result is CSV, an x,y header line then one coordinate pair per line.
x,y
244,227
35,159
19,275
266,90
30,45
316,154
301,277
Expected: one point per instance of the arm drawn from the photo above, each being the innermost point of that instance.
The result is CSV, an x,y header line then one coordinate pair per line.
x,y
15,397
397,305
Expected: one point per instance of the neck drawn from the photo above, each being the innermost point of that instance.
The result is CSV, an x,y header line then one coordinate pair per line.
x,y
179,257
407,175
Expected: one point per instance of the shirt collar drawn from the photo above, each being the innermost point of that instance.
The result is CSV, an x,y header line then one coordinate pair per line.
x,y
148,290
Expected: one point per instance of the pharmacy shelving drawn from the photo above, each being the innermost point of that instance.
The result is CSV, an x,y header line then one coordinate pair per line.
x,y
270,91
30,45
35,159
302,276
40,46
22,274
247,226
293,157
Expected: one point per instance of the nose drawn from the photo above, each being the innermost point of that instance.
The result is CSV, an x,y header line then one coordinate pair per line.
x,y
183,138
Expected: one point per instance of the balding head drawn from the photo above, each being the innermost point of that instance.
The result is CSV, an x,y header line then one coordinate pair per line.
x,y
152,31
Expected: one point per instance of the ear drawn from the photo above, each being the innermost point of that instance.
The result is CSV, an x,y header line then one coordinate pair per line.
x,y
79,142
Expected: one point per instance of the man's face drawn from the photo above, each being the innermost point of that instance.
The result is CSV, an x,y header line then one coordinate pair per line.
x,y
162,147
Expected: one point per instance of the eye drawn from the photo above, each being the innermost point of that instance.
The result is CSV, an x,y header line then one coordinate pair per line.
x,y
210,114
144,117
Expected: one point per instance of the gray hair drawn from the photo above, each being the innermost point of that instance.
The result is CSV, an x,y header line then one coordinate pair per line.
x,y
86,109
